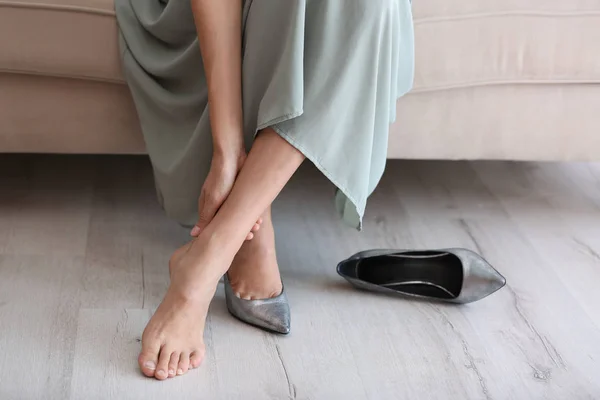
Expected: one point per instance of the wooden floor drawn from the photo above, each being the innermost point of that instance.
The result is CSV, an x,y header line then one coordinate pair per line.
x,y
83,262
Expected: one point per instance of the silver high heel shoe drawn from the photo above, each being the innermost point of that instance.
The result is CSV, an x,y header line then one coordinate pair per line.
x,y
452,275
272,314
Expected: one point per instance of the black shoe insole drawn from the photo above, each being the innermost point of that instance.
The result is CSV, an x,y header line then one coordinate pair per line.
x,y
433,274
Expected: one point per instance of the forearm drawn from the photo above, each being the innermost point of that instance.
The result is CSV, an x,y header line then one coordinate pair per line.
x,y
219,26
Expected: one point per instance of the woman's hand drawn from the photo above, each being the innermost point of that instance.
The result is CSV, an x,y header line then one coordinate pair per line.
x,y
216,188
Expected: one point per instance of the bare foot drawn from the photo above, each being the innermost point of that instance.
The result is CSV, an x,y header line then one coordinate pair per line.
x,y
173,341
176,329
254,273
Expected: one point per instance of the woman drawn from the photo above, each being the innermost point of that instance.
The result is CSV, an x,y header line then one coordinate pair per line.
x,y
291,79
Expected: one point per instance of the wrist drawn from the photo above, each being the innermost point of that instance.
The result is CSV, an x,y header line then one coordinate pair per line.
x,y
227,150
228,155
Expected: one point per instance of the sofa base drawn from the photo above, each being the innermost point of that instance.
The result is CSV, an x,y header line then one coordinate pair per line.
x,y
554,122
57,115
503,122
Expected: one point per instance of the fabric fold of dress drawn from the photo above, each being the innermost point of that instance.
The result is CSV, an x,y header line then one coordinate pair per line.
x,y
324,74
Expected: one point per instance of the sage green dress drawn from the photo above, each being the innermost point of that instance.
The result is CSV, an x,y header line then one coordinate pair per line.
x,y
324,74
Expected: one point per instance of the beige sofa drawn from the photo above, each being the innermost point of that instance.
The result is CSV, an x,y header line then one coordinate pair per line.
x,y
496,79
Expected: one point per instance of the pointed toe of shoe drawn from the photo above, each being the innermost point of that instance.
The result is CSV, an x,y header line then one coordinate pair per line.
x,y
480,279
272,314
497,282
279,321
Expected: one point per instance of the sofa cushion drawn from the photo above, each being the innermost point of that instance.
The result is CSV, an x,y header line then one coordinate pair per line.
x,y
472,43
459,43
65,38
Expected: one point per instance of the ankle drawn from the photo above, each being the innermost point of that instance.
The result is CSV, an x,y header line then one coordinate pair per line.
x,y
192,290
196,269
222,242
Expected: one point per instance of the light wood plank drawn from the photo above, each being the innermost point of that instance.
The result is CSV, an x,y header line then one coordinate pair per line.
x,y
45,205
130,239
246,361
38,322
560,219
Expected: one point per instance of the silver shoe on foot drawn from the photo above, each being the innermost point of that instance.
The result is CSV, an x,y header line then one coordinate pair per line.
x,y
272,314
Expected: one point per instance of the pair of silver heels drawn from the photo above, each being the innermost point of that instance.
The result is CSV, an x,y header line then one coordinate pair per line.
x,y
451,275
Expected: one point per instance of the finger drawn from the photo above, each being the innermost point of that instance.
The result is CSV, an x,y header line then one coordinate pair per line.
x,y
201,200
207,208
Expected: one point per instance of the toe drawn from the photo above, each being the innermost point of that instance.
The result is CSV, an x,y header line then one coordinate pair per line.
x,y
173,363
196,358
148,358
184,363
163,364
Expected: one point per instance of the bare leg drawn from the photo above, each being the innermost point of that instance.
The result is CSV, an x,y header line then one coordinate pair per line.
x,y
254,273
172,340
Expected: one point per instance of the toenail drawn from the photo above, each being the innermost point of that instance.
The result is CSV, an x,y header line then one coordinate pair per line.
x,y
150,365
171,372
179,371
161,374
